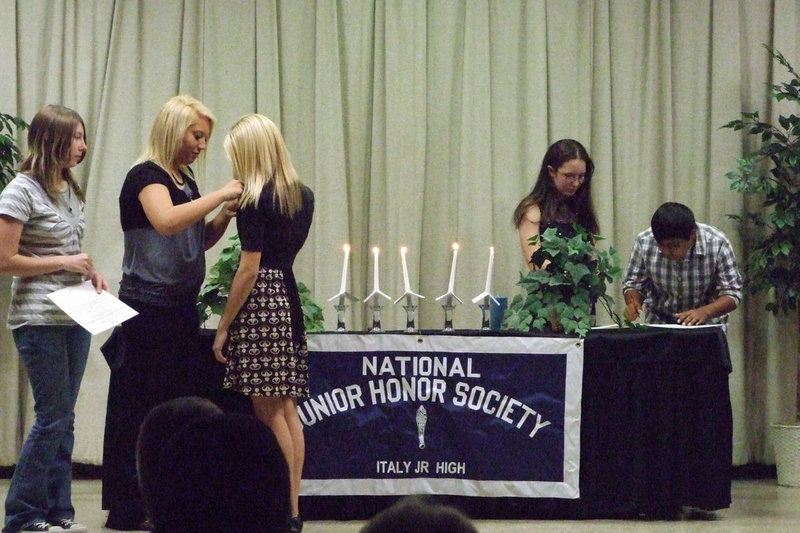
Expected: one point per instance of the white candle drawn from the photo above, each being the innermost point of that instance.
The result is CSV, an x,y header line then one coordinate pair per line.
x,y
344,268
375,271
453,269
488,289
406,284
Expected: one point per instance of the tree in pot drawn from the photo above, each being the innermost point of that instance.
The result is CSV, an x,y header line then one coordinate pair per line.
x,y
771,235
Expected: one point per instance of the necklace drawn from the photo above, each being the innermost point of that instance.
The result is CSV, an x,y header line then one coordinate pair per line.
x,y
178,182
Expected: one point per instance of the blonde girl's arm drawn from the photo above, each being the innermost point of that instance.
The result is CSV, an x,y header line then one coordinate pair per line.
x,y
243,282
168,219
216,227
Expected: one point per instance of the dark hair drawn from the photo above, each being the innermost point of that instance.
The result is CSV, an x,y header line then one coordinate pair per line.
x,y
413,514
546,196
672,221
158,427
49,143
226,474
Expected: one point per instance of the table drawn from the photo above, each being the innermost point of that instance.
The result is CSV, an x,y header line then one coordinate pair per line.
x,y
655,431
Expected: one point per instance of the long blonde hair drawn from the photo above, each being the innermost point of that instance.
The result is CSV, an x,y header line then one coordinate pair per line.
x,y
258,155
169,128
49,144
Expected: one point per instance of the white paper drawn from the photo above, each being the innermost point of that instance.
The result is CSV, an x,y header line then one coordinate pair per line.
x,y
668,326
95,312
681,326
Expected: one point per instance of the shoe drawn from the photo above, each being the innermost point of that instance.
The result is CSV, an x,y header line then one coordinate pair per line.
x,y
127,522
696,513
41,525
143,525
295,524
68,525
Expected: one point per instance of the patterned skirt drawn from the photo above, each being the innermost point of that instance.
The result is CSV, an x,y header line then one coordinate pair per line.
x,y
266,356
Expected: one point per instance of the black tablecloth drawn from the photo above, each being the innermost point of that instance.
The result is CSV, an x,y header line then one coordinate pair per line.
x,y
656,434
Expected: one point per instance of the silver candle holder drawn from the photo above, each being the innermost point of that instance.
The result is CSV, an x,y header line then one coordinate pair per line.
x,y
375,307
449,307
486,297
409,295
485,306
341,308
411,310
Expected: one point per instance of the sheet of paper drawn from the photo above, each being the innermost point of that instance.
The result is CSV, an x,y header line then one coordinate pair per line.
x,y
681,326
673,326
95,312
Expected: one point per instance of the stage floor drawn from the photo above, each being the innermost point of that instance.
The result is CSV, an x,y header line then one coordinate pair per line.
x,y
758,506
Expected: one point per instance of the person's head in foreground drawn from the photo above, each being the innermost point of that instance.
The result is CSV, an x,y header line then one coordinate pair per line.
x,y
223,473
417,515
159,426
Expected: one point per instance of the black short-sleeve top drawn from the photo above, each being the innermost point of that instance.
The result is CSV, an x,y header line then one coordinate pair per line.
x,y
263,228
159,269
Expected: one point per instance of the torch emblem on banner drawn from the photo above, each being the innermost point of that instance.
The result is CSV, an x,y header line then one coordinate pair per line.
x,y
422,418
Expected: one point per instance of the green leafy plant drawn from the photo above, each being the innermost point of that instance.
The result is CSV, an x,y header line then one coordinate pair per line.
x,y
772,173
573,274
217,286
10,155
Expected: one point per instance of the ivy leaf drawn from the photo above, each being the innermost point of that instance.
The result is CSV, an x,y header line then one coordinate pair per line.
x,y
576,274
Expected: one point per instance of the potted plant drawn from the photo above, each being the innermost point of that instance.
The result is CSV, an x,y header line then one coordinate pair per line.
x,y
214,292
772,235
573,275
10,155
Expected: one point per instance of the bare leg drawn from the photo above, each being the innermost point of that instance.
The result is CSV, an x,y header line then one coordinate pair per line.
x,y
299,448
273,412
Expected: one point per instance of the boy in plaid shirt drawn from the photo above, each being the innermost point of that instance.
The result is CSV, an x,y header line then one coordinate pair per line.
x,y
681,271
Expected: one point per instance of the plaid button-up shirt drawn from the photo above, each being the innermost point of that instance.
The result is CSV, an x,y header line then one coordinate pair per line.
x,y
707,272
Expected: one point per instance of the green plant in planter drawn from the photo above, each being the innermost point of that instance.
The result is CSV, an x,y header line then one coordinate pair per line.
x,y
214,293
772,172
771,236
561,294
10,155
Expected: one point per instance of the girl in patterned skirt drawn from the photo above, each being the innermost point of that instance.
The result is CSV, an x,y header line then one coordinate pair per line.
x,y
261,337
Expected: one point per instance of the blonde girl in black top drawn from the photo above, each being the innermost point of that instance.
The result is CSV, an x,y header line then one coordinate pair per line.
x,y
261,337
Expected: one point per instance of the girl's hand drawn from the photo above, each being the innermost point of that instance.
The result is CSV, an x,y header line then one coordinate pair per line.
x,y
99,282
231,190
80,263
231,208
219,342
